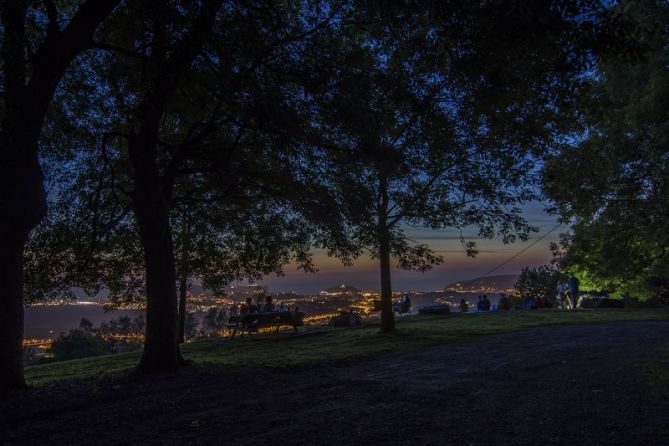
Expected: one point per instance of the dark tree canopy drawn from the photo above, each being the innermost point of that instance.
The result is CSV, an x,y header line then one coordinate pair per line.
x,y
179,144
539,283
435,118
218,140
613,183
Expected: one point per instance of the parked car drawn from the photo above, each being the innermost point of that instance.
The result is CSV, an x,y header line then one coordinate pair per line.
x,y
594,301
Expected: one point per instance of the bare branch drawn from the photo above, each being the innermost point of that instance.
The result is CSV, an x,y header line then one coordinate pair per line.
x,y
115,49
52,13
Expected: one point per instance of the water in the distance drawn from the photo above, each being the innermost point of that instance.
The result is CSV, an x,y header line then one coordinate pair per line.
x,y
48,321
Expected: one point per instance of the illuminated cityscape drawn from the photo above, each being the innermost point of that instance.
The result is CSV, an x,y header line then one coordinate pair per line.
x,y
320,308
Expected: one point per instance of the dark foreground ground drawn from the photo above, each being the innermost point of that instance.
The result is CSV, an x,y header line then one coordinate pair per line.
x,y
578,385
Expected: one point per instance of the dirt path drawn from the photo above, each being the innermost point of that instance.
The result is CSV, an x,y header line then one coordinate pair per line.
x,y
551,385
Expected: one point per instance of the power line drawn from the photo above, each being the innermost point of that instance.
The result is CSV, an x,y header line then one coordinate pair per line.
x,y
518,253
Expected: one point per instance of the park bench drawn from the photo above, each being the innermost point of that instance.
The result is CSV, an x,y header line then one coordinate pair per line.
x,y
252,322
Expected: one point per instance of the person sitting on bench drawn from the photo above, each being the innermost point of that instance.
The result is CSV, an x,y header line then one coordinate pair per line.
x,y
403,305
485,303
248,307
269,306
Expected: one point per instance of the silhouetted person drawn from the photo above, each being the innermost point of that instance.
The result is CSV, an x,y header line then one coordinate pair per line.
x,y
406,303
269,306
464,306
248,307
504,302
572,285
234,310
485,303
403,305
561,290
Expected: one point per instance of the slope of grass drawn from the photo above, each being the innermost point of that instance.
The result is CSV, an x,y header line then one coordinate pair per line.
x,y
322,345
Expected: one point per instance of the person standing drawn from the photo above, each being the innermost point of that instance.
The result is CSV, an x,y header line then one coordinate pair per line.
x,y
572,285
485,303
561,290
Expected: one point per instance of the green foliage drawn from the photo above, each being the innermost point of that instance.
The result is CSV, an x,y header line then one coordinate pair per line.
x,y
76,344
449,139
434,118
541,282
612,183
227,167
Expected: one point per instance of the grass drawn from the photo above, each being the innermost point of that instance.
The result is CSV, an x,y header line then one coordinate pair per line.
x,y
657,371
324,345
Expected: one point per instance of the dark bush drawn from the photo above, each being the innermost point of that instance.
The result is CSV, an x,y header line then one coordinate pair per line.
x,y
435,309
346,319
76,344
635,302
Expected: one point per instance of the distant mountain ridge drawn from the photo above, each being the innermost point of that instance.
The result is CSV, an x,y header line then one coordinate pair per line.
x,y
498,283
342,289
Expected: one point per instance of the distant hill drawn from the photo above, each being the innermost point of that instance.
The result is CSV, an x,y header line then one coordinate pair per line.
x,y
496,283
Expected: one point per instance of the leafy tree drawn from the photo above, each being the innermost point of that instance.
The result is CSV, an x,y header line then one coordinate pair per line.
x,y
612,183
76,344
213,165
120,325
435,118
36,52
538,282
85,325
163,73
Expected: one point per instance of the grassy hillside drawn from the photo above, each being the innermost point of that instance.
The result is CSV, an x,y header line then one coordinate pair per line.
x,y
322,345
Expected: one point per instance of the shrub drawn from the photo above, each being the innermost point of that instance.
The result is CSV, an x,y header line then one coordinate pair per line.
x,y
538,283
76,344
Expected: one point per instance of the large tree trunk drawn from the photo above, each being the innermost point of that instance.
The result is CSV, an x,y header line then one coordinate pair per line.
x,y
22,196
161,349
12,240
22,206
150,199
11,311
387,316
183,289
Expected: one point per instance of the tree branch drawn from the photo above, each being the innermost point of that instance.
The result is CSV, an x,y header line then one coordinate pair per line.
x,y
52,13
115,49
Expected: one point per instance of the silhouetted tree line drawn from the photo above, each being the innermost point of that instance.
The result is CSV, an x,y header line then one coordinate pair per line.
x,y
114,336
144,147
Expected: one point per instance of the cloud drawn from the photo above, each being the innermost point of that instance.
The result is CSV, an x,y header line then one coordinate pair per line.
x,y
480,251
447,237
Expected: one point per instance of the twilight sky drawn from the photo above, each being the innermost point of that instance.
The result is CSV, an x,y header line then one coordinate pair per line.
x,y
364,273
